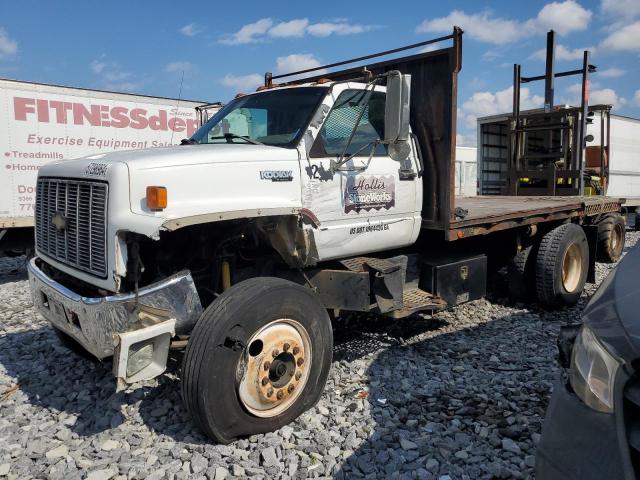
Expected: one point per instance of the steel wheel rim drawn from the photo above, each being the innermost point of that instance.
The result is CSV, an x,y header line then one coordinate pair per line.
x,y
572,268
616,238
274,368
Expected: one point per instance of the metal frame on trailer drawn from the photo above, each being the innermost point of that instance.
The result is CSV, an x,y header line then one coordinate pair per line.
x,y
548,121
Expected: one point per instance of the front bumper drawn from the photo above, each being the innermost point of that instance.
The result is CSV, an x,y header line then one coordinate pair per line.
x,y
97,323
580,443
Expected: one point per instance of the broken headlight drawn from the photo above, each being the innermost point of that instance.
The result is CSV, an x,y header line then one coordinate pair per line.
x,y
593,371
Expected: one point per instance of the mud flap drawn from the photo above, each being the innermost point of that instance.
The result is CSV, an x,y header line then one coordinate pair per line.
x,y
591,231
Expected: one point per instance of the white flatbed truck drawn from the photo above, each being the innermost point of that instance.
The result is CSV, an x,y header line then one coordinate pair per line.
x,y
332,193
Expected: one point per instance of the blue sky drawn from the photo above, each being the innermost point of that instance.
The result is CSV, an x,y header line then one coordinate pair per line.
x,y
224,47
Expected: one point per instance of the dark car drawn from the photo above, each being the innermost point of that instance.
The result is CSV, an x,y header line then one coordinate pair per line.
x,y
592,426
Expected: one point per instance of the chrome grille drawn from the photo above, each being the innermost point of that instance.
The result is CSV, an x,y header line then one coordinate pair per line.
x,y
79,208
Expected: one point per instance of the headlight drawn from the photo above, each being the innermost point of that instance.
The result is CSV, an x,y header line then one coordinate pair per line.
x,y
593,371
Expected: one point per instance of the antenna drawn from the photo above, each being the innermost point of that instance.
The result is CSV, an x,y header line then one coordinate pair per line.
x,y
178,104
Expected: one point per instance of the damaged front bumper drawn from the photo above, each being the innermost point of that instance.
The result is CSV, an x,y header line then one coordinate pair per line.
x,y
135,331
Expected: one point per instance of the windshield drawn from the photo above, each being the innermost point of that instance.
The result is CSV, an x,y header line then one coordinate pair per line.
x,y
272,117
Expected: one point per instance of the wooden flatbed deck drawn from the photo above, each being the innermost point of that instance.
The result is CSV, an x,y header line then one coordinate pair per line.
x,y
486,214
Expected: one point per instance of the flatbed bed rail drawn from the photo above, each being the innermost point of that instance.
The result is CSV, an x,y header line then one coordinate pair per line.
x,y
487,214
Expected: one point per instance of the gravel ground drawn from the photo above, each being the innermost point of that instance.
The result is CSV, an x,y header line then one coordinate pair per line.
x,y
460,395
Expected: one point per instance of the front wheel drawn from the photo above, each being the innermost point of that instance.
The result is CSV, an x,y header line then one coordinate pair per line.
x,y
258,358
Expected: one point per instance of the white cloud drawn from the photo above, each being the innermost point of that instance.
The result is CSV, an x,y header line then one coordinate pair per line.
x,y
183,66
243,82
292,28
191,30
479,26
325,29
122,86
623,8
116,75
298,27
98,66
8,46
612,72
562,53
465,140
112,76
626,38
250,33
636,98
597,96
563,17
482,104
286,64
295,62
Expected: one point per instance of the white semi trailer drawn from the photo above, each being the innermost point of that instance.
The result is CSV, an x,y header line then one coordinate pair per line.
x,y
42,123
621,160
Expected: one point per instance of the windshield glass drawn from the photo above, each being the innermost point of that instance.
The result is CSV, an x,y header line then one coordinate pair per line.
x,y
272,117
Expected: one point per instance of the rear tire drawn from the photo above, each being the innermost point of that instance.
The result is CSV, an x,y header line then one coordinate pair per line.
x,y
258,357
521,274
562,265
611,236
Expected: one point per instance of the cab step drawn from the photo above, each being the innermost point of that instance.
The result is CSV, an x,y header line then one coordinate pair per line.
x,y
365,264
416,300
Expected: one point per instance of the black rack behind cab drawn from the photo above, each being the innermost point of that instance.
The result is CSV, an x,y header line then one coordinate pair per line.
x,y
434,83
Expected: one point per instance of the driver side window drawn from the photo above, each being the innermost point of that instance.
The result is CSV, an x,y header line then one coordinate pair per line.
x,y
334,134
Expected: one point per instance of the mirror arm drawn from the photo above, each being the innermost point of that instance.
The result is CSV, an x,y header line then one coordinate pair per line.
x,y
416,144
335,166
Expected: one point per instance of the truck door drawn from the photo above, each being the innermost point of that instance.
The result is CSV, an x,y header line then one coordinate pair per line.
x,y
363,205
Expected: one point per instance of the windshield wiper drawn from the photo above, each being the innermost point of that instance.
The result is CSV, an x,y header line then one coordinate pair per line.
x,y
188,141
229,136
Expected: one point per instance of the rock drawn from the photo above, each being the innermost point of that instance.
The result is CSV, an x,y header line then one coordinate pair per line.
x,y
462,455
286,432
5,468
61,451
510,446
407,444
105,474
432,465
109,445
269,457
237,471
221,473
530,461
198,463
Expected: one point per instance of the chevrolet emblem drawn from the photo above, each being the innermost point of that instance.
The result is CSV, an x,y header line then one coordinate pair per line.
x,y
59,221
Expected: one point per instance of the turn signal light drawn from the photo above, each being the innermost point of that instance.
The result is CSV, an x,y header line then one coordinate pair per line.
x,y
156,198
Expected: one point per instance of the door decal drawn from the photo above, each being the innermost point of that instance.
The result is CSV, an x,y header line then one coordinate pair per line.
x,y
370,192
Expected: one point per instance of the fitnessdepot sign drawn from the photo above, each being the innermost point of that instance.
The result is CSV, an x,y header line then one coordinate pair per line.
x,y
44,123
64,113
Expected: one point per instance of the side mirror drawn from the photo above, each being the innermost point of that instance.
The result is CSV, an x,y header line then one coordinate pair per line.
x,y
396,111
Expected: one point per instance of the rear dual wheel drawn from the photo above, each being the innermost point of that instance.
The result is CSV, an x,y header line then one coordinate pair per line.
x,y
258,358
611,236
562,264
554,269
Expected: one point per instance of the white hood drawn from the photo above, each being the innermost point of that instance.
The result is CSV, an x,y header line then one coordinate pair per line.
x,y
201,180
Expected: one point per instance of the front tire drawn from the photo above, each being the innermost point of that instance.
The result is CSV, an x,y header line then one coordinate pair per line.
x,y
562,265
258,358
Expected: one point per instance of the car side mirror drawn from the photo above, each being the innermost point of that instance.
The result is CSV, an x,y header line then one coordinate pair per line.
x,y
396,111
